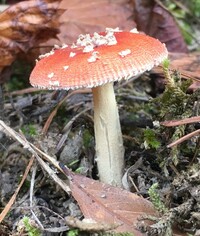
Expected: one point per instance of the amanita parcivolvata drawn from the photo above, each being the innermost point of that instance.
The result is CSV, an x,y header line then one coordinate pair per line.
x,y
96,61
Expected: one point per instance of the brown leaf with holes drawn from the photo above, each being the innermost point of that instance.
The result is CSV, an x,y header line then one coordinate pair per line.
x,y
25,24
107,204
156,21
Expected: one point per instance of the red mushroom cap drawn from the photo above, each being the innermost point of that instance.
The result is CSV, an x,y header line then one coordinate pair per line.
x,y
93,62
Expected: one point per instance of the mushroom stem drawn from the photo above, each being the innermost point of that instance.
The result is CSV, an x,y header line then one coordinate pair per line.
x,y
108,136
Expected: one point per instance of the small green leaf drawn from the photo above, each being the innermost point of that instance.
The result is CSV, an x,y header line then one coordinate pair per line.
x,y
150,139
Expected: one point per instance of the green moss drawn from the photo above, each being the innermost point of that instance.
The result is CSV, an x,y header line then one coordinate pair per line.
x,y
174,103
174,99
150,139
31,230
29,130
155,198
73,232
87,138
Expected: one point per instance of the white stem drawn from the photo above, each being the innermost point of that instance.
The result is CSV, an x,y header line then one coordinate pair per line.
x,y
108,136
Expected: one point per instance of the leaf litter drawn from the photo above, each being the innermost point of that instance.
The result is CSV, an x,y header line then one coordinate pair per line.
x,y
103,203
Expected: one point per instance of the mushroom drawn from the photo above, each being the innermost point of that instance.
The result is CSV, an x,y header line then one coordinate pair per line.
x,y
96,61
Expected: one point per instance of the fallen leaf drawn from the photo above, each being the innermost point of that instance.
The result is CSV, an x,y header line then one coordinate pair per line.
x,y
107,204
156,21
24,25
88,16
185,63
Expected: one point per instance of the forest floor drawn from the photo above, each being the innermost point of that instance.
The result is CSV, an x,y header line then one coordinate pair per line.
x,y
69,138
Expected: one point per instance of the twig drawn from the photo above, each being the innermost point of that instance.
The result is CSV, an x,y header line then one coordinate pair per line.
x,y
171,123
67,127
36,151
11,201
53,113
23,91
180,140
31,197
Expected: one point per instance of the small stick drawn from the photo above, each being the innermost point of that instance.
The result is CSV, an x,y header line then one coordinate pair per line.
x,y
188,136
171,123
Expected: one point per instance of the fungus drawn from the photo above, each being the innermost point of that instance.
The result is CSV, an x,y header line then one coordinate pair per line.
x,y
121,55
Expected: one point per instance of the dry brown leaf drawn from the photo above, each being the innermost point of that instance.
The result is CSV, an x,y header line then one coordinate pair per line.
x,y
156,21
25,24
88,16
107,204
94,16
187,64
91,16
